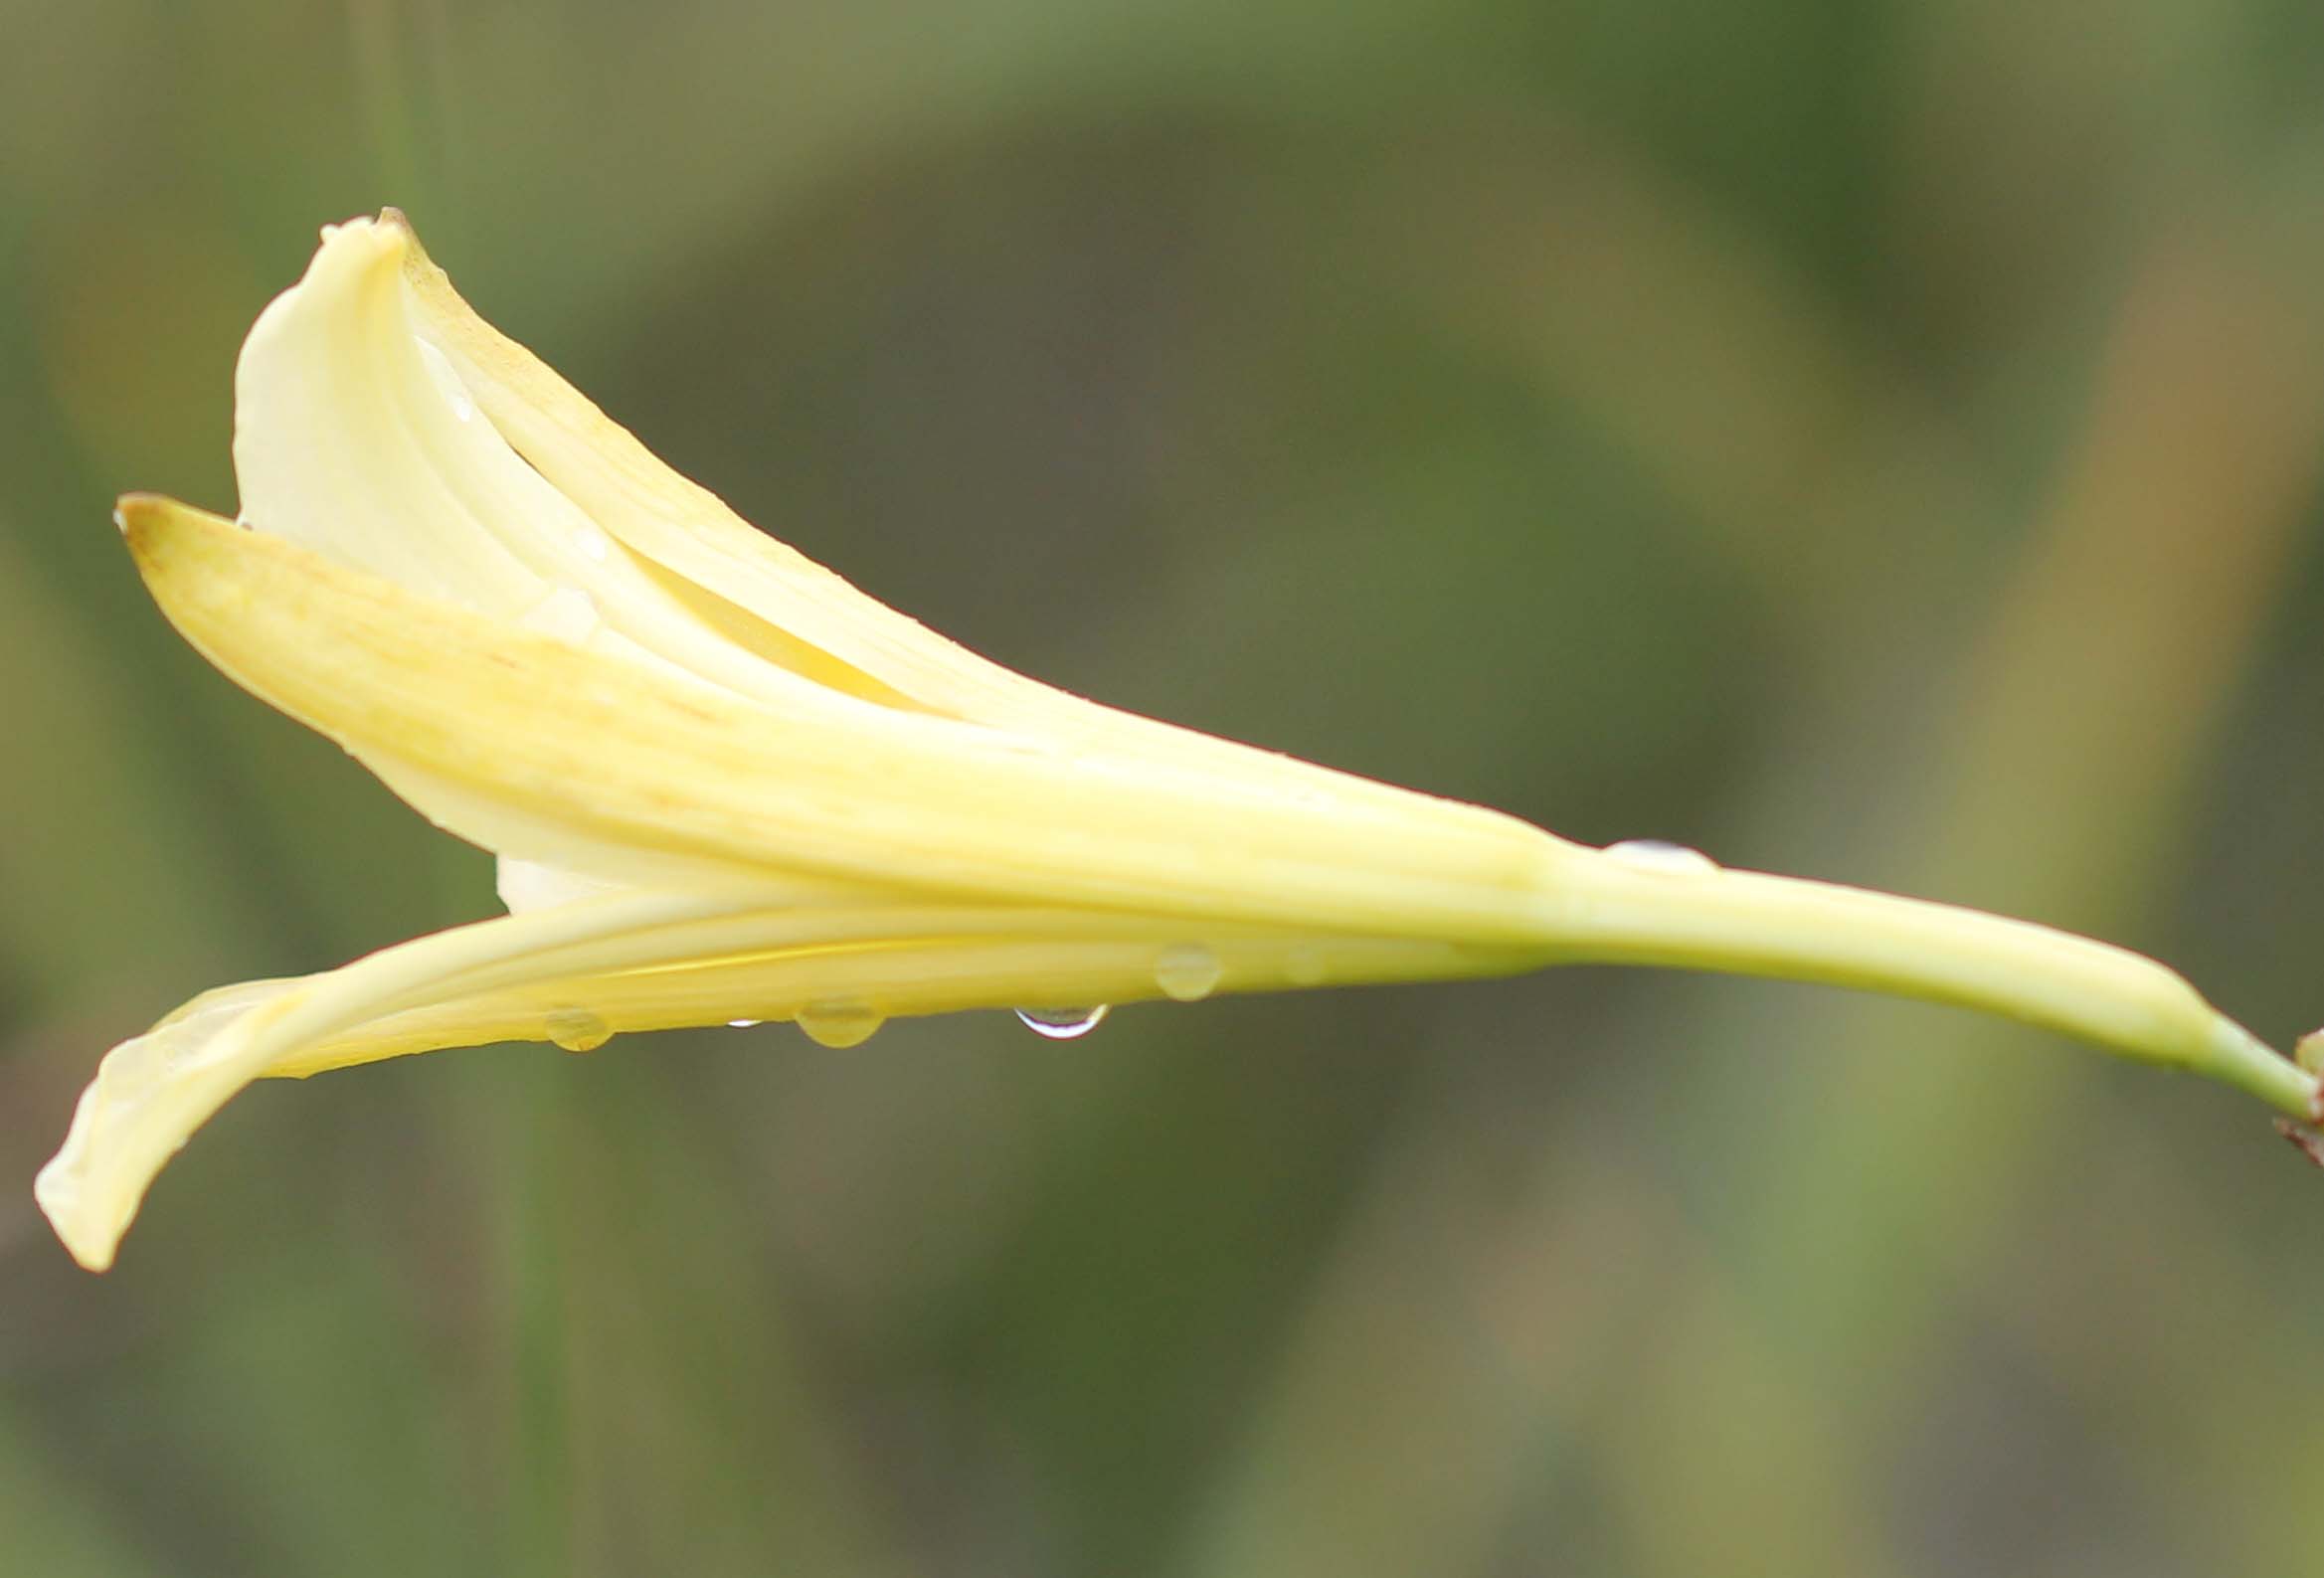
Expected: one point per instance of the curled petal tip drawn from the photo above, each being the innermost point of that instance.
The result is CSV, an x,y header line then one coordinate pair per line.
x,y
133,512
57,1191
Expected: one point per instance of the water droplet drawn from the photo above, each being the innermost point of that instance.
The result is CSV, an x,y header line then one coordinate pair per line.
x,y
1062,1024
577,1030
1661,856
838,1022
592,543
447,380
1188,972
744,1024
1305,965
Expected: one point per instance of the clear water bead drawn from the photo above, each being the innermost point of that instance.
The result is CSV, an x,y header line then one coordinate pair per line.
x,y
743,1024
1062,1024
1661,856
579,1030
1188,972
838,1022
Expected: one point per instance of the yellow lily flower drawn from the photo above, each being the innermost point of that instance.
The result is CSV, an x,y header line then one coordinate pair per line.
x,y
723,785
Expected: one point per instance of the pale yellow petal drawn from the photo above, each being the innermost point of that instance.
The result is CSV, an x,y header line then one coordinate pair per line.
x,y
764,594
824,786
332,404
536,885
649,961
154,1089
885,964
369,427
355,437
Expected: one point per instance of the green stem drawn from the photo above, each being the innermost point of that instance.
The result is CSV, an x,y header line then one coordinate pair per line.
x,y
1608,909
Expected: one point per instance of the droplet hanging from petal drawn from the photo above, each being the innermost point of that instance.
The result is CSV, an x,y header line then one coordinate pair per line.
x,y
1188,972
1062,1024
839,1023
577,1030
1661,856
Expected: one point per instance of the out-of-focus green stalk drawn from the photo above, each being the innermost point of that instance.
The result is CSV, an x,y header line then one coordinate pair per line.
x,y
538,1525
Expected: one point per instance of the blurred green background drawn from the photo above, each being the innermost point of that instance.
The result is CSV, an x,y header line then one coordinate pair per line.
x,y
1875,441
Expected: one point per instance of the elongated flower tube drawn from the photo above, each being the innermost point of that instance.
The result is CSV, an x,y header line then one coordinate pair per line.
x,y
723,785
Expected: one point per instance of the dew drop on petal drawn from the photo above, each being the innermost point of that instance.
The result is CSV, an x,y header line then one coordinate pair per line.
x,y
1062,1024
577,1030
743,1024
1661,856
838,1022
1188,972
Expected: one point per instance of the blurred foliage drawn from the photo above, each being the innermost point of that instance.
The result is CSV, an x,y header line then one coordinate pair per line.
x,y
1876,441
